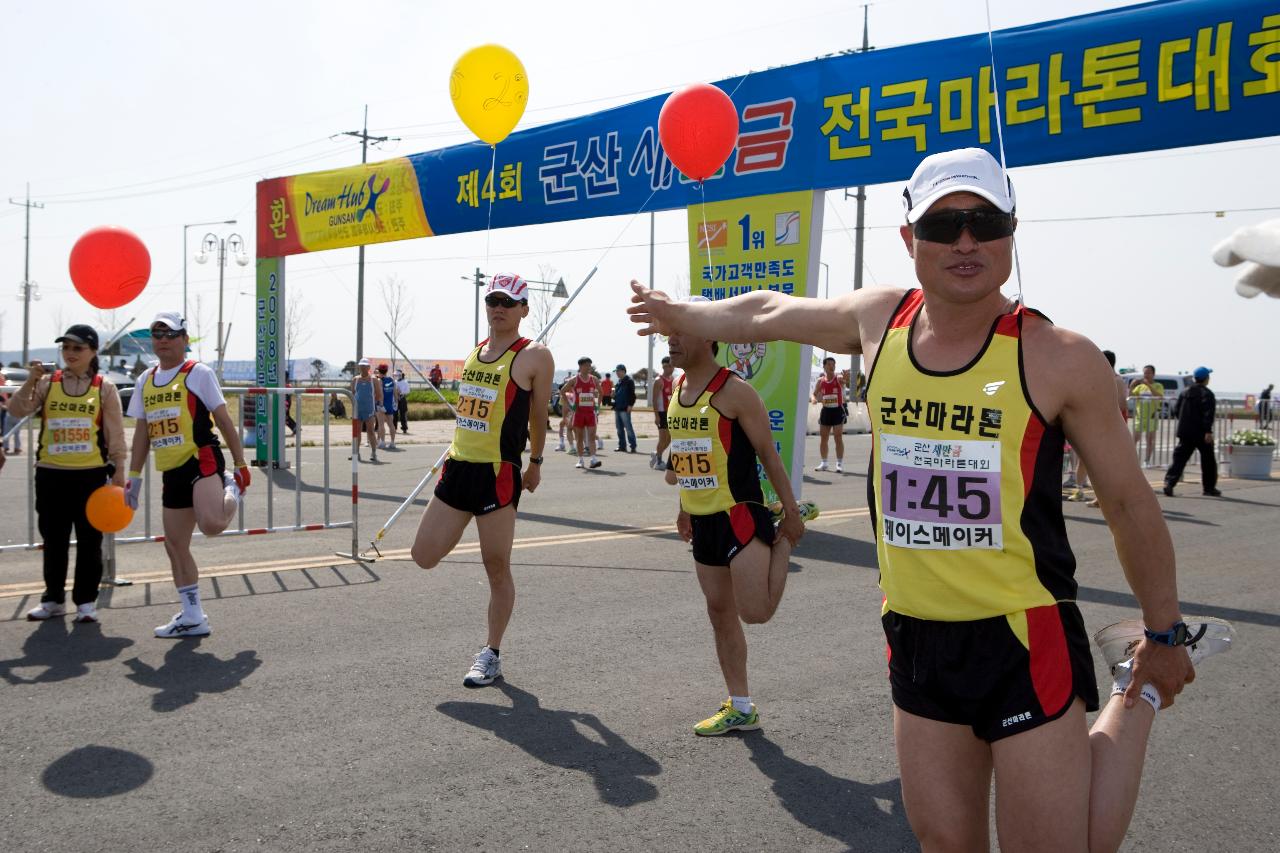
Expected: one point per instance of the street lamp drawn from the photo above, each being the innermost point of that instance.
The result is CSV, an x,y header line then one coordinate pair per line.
x,y
184,256
210,243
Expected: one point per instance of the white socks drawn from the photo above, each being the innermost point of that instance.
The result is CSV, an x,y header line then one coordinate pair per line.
x,y
190,598
1124,674
742,704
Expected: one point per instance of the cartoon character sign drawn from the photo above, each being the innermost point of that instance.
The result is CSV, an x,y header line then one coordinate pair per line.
x,y
746,359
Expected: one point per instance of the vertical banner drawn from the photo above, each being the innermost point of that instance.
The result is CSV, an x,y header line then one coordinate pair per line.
x,y
269,420
767,242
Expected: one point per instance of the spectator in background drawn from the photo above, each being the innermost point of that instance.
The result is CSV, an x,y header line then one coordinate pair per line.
x,y
1264,406
11,444
363,389
386,406
288,406
1195,411
663,388
402,402
606,391
624,398
436,376
1148,406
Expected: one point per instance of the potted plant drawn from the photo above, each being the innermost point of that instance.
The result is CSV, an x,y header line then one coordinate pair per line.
x,y
1250,451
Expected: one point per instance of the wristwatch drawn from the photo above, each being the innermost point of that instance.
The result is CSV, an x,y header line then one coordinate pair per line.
x,y
535,460
1178,635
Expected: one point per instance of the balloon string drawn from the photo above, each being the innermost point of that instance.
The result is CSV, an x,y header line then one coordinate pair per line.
x,y
706,238
1004,167
488,227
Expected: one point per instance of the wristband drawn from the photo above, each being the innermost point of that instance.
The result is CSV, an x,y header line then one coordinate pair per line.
x,y
135,473
1178,635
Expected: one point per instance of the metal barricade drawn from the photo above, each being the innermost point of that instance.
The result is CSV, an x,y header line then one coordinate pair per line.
x,y
244,395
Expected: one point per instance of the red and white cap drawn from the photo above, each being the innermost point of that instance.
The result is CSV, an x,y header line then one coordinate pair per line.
x,y
510,284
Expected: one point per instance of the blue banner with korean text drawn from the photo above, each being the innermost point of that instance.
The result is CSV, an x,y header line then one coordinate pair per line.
x,y
1146,77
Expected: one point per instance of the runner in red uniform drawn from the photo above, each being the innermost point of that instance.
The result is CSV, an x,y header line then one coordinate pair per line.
x,y
586,395
829,392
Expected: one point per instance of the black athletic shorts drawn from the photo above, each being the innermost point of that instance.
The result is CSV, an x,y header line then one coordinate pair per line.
x,y
718,537
831,416
983,675
179,483
662,419
476,487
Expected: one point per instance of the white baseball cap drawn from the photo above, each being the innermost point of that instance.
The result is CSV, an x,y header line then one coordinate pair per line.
x,y
172,319
971,170
364,362
510,284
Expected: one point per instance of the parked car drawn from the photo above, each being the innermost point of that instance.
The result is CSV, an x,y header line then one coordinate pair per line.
x,y
1173,387
14,376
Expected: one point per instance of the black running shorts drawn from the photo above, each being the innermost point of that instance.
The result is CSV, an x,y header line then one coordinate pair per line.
x,y
179,483
718,537
831,416
479,487
999,676
662,419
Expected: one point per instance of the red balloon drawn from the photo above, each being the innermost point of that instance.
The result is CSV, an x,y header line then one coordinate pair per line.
x,y
109,266
698,127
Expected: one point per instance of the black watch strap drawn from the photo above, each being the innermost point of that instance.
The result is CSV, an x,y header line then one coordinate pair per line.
x,y
535,460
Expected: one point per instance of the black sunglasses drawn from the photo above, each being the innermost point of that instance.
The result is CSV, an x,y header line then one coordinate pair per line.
x,y
167,334
494,300
946,226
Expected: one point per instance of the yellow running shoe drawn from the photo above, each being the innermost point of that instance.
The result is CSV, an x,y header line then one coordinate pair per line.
x,y
726,720
808,511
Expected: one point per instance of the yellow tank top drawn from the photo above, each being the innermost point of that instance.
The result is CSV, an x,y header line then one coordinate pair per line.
x,y
71,429
493,410
178,424
714,461
965,480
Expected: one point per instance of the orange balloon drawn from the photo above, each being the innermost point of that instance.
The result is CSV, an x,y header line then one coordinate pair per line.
x,y
107,510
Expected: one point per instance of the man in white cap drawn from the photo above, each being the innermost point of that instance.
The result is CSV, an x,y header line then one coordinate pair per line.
x,y
971,395
502,404
176,405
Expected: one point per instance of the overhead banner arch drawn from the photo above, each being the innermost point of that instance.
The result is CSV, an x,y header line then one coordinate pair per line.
x,y
1153,76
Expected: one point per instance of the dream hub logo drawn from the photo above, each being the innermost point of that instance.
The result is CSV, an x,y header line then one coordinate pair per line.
x,y
350,206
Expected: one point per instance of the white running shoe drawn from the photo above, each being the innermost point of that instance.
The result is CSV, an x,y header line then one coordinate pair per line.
x,y
839,467
821,466
579,465
486,669
1207,636
86,612
560,447
176,628
595,463
45,610
653,460
229,486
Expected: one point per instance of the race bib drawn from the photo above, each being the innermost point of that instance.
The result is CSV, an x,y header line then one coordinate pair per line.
x,y
69,435
691,460
586,399
164,427
940,494
830,401
475,402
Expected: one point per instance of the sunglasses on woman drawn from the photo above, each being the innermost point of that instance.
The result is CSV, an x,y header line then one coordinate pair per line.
x,y
984,224
495,300
167,334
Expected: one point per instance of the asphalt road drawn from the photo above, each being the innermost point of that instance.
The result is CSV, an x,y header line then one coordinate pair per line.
x,y
326,711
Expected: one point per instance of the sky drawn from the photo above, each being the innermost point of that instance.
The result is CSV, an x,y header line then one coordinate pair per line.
x,y
153,115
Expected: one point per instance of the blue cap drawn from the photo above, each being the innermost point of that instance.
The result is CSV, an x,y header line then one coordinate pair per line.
x,y
1201,373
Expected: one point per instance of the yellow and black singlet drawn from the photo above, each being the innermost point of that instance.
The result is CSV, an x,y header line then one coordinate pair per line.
x,y
71,433
178,423
493,410
714,461
965,480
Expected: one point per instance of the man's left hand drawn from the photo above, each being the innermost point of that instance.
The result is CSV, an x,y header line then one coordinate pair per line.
x,y
792,527
532,477
241,476
1168,668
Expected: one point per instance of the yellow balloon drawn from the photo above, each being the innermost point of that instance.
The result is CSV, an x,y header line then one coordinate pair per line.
x,y
489,89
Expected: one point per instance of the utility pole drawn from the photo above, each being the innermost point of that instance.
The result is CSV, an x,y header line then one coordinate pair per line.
x,y
365,139
859,226
478,280
26,274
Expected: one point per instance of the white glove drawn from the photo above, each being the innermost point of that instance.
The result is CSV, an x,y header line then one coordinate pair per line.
x,y
133,491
